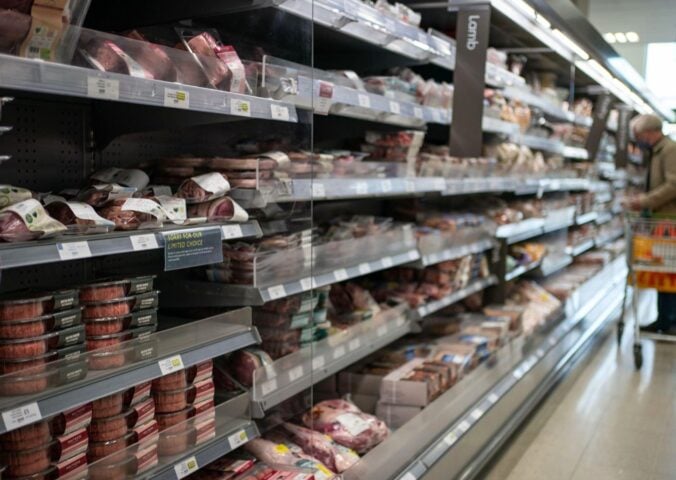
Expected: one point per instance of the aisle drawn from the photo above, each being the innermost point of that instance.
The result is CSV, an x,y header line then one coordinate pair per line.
x,y
605,421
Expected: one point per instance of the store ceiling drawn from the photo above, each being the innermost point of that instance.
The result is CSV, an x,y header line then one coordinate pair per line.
x,y
653,20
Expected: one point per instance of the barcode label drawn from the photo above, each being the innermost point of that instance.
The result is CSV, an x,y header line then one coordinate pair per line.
x,y
143,242
278,112
186,467
387,262
306,283
276,292
318,190
493,398
340,275
318,362
410,186
413,255
240,108
364,101
171,364
354,344
339,352
231,231
476,414
20,416
464,426
176,98
418,112
364,268
450,439
362,188
237,439
103,88
395,108
295,373
386,186
73,250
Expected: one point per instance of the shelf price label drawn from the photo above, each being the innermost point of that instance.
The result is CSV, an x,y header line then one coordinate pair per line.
x,y
176,98
409,476
476,414
382,331
186,467
268,387
354,344
279,112
104,88
231,231
241,108
73,250
362,188
276,292
318,362
364,101
171,364
318,190
464,426
340,275
143,242
418,112
413,255
295,373
339,352
395,108
493,398
387,262
238,439
450,439
306,283
20,416
386,186
364,268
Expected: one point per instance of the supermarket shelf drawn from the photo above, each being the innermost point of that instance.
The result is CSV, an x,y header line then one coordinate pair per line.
x,y
232,428
208,294
74,247
576,153
549,108
432,307
194,343
495,125
500,77
539,143
579,249
521,270
549,265
494,398
465,186
586,218
516,232
603,240
58,79
294,373
603,218
451,253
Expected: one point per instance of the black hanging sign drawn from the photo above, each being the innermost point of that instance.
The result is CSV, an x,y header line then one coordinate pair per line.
x,y
622,136
469,77
192,248
600,119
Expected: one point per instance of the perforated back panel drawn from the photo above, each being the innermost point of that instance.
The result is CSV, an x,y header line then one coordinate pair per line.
x,y
47,144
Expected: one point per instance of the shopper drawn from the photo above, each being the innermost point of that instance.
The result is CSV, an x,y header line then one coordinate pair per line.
x,y
660,198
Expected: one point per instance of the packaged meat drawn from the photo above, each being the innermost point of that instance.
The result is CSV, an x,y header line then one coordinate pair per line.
x,y
78,217
204,45
169,419
219,210
346,425
71,420
142,433
174,209
107,56
108,406
203,188
25,307
34,327
26,462
112,289
321,447
153,58
9,195
23,6
178,439
120,306
14,26
98,195
175,400
38,378
108,341
27,220
113,468
35,346
172,381
137,394
27,437
109,428
133,213
278,320
244,363
108,325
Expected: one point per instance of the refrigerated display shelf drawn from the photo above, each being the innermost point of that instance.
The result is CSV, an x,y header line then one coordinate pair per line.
x,y
547,106
522,270
551,265
576,153
58,79
610,237
186,345
436,305
539,143
456,251
233,428
294,373
75,247
493,399
193,293
586,218
603,218
579,249
534,227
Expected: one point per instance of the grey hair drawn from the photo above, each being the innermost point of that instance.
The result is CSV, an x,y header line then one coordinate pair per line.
x,y
646,123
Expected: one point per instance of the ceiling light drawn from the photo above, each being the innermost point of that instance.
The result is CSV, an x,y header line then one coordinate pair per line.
x,y
632,37
620,37
610,37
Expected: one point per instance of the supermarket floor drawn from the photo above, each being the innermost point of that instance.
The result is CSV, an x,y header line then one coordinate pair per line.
x,y
604,421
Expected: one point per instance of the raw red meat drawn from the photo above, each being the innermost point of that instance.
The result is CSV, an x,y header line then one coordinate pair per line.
x,y
244,363
23,6
152,58
194,193
12,228
268,452
107,55
218,209
321,447
14,27
206,46
124,219
346,425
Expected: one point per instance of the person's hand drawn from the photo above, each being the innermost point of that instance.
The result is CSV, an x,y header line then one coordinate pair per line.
x,y
633,202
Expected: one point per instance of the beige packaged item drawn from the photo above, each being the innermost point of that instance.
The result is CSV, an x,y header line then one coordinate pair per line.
x,y
45,34
395,416
410,384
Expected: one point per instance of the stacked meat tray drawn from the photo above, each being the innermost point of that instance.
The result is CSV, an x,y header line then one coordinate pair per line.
x,y
372,295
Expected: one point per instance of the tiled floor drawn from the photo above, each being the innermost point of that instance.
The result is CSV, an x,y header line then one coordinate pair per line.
x,y
604,421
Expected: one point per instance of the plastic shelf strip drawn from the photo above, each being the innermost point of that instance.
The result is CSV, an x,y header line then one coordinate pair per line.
x,y
435,306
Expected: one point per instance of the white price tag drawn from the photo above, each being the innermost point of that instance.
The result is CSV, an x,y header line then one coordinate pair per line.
x,y
295,373
73,250
339,352
241,108
413,255
278,291
269,386
387,262
306,283
436,115
143,242
517,373
340,275
464,426
476,414
395,108
418,112
364,268
20,416
364,101
318,190
410,186
103,88
362,188
493,398
386,186
186,467
382,330
171,364
450,439
176,98
354,344
279,112
318,362
237,439
231,231
409,476
440,184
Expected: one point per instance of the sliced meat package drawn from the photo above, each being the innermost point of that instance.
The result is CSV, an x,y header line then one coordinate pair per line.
x,y
243,363
346,425
9,195
220,209
203,188
153,58
98,195
105,55
131,177
79,217
336,457
27,220
133,213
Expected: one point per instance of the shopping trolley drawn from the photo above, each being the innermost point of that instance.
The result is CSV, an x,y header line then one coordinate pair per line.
x,y
651,260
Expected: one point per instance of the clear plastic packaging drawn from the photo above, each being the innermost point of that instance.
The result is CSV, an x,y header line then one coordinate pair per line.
x,y
120,306
33,327
111,289
110,325
36,346
109,428
39,377
179,399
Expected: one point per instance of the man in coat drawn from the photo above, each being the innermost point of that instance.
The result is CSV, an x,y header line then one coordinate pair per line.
x,y
660,198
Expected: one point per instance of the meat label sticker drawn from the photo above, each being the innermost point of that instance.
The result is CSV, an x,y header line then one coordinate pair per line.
x,y
176,98
171,364
354,424
73,250
241,108
276,292
237,439
143,242
395,108
295,373
231,231
318,190
20,416
186,467
279,112
364,101
104,88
